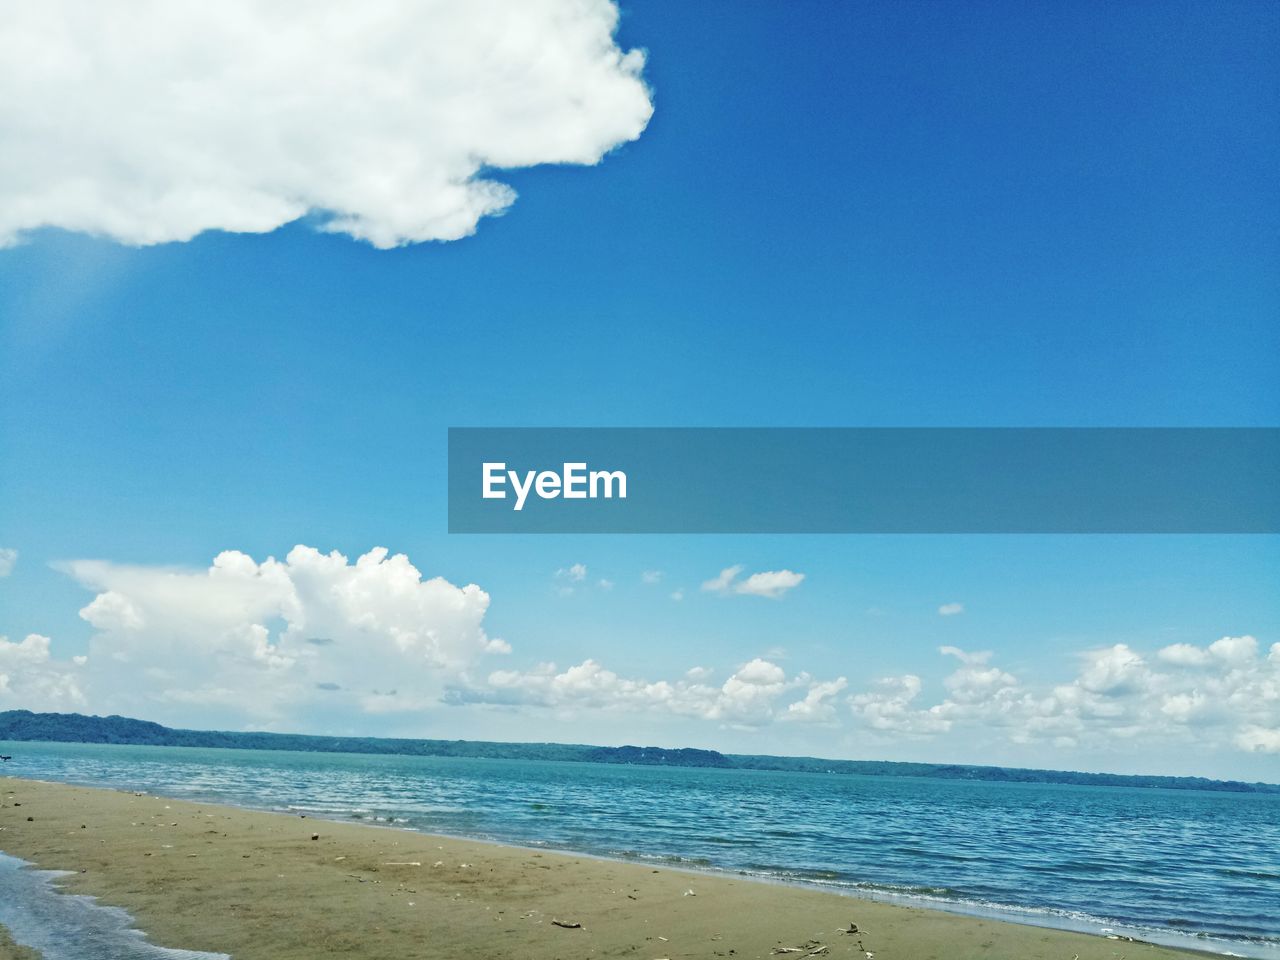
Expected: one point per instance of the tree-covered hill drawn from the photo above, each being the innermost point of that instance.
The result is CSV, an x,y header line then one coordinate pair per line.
x,y
23,725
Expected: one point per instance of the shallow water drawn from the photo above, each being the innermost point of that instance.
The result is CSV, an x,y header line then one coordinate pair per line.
x,y
70,927
1193,868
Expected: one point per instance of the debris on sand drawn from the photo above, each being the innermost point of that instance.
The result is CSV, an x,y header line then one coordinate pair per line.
x,y
813,948
567,924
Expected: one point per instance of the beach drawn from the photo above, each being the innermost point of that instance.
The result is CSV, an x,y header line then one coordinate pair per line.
x,y
272,886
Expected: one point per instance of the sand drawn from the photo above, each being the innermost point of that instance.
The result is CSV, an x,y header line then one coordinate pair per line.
x,y
265,886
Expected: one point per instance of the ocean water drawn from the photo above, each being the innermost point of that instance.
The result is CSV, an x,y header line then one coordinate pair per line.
x,y
1190,868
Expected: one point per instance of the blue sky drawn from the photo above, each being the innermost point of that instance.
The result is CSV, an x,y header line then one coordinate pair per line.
x,y
887,214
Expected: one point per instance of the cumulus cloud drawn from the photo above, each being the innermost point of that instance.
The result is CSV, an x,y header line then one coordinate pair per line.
x,y
31,679
249,643
149,121
8,560
751,697
1184,655
818,705
651,577
1225,695
1116,695
769,583
1258,739
263,640
891,707
950,609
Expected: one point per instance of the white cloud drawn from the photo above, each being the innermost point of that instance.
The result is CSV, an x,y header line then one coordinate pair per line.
x,y
950,609
769,583
1234,650
677,595
1184,655
149,121
818,704
605,584
243,643
8,560
1259,739
722,582
748,699
31,679
1114,670
573,574
890,708
972,657
264,640
1224,696
651,577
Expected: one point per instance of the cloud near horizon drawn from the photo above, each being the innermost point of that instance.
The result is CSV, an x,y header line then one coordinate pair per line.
x,y
1223,696
755,694
383,121
263,642
316,638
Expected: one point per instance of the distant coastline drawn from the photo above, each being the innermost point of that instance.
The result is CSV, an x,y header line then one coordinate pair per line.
x,y
24,725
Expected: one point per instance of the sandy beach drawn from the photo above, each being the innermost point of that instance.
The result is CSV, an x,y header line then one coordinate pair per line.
x,y
265,886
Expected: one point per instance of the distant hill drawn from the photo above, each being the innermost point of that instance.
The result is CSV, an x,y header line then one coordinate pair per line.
x,y
23,725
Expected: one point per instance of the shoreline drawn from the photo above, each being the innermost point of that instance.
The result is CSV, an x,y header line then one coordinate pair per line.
x,y
9,950
1041,917
181,868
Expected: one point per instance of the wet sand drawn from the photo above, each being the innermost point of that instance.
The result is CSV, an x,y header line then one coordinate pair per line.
x,y
265,886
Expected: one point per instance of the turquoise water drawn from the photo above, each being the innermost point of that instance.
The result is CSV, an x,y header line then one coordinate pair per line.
x,y
1192,868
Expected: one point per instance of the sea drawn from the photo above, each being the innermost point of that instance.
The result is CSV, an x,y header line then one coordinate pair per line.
x,y
1190,868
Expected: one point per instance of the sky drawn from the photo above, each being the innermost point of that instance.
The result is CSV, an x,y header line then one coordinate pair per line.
x,y
254,264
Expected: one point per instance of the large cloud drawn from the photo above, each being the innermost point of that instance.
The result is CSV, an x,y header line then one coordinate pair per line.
x,y
267,641
152,120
